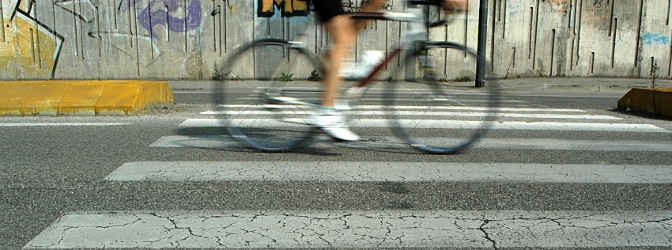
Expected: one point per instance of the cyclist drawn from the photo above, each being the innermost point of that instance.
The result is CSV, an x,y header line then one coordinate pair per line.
x,y
343,31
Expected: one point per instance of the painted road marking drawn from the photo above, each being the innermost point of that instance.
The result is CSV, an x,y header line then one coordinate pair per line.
x,y
430,113
454,108
223,141
357,229
62,124
453,124
390,171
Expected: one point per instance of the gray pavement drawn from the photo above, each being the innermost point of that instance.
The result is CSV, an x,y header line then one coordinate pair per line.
x,y
518,188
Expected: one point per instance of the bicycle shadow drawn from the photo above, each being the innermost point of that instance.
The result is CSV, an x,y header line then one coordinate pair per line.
x,y
377,145
217,139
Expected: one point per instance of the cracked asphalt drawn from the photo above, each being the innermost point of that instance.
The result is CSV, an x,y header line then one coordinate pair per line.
x,y
363,229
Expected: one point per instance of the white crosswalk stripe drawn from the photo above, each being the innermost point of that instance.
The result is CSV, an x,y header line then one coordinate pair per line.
x,y
61,124
289,229
455,124
386,171
222,141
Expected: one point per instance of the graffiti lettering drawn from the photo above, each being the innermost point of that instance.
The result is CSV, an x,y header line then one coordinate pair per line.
x,y
289,8
597,3
652,39
178,15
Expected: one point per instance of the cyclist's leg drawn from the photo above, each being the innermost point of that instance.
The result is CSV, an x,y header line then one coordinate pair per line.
x,y
344,36
328,119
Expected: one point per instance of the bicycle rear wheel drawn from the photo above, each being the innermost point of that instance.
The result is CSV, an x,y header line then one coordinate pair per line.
x,y
433,102
267,93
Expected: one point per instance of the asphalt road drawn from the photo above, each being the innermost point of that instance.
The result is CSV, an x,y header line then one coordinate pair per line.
x,y
54,169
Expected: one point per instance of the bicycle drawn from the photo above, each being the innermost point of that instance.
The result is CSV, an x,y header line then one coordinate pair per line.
x,y
269,108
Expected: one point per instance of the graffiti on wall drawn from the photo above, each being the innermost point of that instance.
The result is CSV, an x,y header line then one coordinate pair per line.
x,y
655,39
28,47
175,15
31,49
89,34
288,8
291,8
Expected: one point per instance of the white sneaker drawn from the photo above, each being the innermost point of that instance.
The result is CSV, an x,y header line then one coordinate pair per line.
x,y
333,123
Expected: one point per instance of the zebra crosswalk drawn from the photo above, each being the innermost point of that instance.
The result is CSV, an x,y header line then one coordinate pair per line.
x,y
542,130
511,119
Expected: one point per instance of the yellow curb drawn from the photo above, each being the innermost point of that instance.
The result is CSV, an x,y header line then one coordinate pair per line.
x,y
62,97
655,101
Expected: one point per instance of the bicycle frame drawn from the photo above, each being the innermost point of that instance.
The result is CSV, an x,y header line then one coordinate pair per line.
x,y
369,79
416,27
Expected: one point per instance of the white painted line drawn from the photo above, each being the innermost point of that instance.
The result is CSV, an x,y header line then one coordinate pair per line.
x,y
380,107
427,113
62,124
453,124
390,171
580,145
214,141
472,102
195,141
357,229
562,126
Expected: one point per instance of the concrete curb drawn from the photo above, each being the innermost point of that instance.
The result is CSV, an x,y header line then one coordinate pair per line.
x,y
77,97
655,101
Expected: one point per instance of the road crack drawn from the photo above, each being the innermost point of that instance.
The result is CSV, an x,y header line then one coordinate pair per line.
x,y
483,230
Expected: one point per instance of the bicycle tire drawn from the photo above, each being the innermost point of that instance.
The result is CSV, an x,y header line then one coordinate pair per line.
x,y
433,102
252,82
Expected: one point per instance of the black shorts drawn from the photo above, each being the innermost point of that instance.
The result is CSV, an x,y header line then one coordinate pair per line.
x,y
326,9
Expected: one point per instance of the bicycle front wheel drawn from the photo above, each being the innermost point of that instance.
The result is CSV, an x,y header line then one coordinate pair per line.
x,y
433,102
267,93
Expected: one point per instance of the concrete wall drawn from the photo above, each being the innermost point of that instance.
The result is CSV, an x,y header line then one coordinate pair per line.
x,y
185,39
